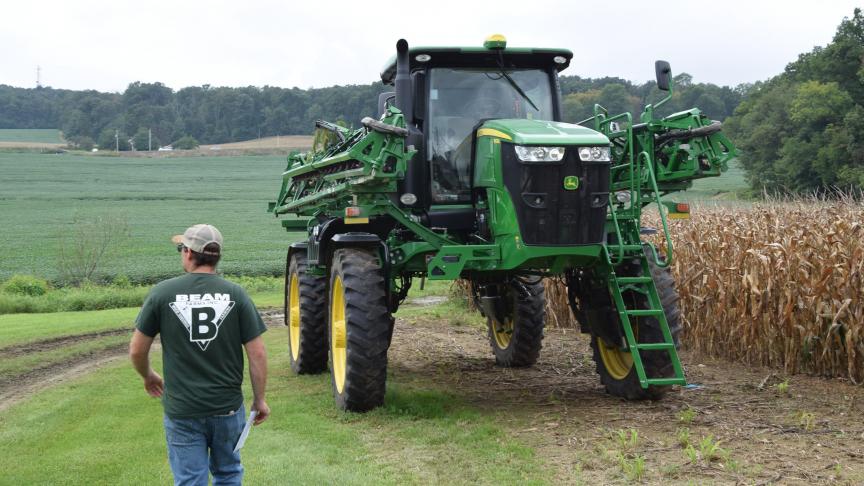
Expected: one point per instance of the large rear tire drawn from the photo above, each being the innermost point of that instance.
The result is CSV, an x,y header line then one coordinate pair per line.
x,y
517,341
305,316
615,365
360,327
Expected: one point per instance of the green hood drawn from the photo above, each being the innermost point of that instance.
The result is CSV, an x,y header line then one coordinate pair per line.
x,y
536,132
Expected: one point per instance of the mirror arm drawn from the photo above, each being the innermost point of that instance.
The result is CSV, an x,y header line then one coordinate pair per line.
x,y
648,112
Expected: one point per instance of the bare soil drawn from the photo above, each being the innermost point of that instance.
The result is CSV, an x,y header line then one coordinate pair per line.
x,y
745,425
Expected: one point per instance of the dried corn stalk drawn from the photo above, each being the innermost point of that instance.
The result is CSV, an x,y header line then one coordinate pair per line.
x,y
776,284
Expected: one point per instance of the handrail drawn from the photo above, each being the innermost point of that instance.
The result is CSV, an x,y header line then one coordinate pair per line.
x,y
653,182
629,131
633,186
597,114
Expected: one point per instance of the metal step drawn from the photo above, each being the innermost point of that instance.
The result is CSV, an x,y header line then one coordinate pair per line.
x,y
644,312
666,381
633,280
645,285
655,346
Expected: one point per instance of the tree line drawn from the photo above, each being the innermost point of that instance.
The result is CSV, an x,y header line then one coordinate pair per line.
x,y
803,130
211,115
204,113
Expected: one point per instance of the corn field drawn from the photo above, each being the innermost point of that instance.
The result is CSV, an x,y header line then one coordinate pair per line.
x,y
778,284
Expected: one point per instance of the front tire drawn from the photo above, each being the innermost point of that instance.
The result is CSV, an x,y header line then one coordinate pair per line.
x,y
305,316
360,325
517,341
615,365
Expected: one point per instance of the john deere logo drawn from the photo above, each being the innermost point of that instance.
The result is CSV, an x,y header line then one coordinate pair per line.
x,y
571,183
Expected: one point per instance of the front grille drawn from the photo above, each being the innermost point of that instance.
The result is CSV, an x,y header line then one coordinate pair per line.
x,y
549,214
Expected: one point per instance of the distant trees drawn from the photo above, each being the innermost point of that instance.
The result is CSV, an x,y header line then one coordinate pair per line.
x,y
220,115
618,95
208,114
803,130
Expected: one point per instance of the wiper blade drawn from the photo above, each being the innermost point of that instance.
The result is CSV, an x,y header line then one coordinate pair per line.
x,y
517,88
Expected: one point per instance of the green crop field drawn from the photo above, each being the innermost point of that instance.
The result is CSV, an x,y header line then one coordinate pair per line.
x,y
31,135
44,196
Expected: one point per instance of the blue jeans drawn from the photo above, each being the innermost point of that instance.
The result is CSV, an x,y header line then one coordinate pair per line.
x,y
198,444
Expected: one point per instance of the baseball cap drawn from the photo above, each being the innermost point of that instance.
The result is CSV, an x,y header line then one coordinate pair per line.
x,y
197,237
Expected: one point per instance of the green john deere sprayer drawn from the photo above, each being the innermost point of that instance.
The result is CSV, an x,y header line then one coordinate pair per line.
x,y
469,173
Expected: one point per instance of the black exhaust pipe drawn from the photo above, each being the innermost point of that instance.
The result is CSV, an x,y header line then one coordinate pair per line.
x,y
416,175
402,82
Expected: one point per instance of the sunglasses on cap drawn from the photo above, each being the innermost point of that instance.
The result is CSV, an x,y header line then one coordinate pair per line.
x,y
180,247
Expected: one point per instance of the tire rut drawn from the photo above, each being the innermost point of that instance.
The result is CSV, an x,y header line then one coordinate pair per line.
x,y
17,388
14,351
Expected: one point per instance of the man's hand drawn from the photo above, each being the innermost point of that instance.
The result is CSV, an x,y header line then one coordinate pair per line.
x,y
263,411
139,353
153,384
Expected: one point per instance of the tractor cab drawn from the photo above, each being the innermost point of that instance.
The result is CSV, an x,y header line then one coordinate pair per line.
x,y
453,91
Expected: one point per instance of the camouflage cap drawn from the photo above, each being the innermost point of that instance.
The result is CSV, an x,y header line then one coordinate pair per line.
x,y
197,237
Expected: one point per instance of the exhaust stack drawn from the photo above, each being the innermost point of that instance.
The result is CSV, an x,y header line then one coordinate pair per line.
x,y
402,82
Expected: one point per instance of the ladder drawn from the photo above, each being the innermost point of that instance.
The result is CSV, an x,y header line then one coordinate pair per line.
x,y
645,285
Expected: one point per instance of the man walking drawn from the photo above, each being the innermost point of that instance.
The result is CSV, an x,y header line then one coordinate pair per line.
x,y
204,322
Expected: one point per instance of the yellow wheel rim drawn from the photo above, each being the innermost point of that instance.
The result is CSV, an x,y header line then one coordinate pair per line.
x,y
294,316
617,362
503,333
338,334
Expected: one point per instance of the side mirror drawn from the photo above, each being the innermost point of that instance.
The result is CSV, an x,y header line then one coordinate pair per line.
x,y
664,75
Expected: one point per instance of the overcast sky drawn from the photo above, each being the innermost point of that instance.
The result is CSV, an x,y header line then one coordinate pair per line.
x,y
105,45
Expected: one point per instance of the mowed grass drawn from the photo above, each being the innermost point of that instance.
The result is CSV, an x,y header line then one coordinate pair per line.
x,y
42,195
69,434
22,364
31,135
23,328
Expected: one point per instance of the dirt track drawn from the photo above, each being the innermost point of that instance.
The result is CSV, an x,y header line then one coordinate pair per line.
x,y
54,343
809,432
14,389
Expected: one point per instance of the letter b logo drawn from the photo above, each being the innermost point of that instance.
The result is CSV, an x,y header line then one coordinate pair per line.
x,y
203,326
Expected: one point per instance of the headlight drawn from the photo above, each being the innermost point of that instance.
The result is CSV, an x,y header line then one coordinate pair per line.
x,y
539,154
594,154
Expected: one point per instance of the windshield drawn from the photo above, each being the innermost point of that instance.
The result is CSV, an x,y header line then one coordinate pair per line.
x,y
458,100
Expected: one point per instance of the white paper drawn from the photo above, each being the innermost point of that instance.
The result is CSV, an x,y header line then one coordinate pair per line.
x,y
246,429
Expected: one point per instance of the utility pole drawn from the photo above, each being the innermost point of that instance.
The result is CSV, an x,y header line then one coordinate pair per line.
x,y
149,139
116,140
38,76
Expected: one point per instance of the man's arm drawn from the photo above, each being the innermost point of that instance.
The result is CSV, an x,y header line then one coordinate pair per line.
x,y
139,353
258,374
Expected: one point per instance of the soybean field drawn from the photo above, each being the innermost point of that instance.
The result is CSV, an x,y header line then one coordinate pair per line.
x,y
51,200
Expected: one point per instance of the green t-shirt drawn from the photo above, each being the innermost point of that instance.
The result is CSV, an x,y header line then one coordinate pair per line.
x,y
203,321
